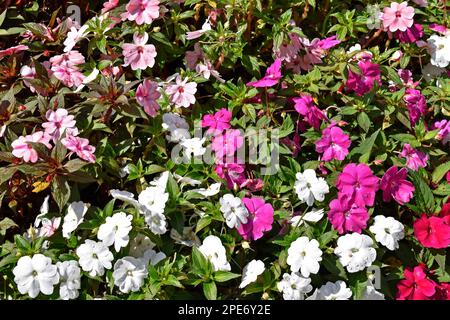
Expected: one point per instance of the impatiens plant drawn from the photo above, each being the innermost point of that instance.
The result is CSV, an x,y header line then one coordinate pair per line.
x,y
247,149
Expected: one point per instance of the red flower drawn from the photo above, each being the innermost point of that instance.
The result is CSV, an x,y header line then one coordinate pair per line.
x,y
442,291
432,232
416,285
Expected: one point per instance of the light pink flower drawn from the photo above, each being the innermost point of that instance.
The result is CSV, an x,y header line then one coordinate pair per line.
x,y
395,185
182,93
80,146
21,149
191,35
259,220
347,216
206,70
399,16
70,77
306,106
139,54
334,144
271,78
217,122
49,227
141,11
71,59
227,143
193,56
58,121
415,159
146,95
13,50
109,5
358,182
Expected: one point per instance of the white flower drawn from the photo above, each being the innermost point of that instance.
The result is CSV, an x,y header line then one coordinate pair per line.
x,y
124,196
49,227
36,274
152,257
372,294
439,47
193,147
355,251
73,218
115,230
45,206
188,238
308,187
161,181
139,244
332,291
304,255
70,275
251,272
213,250
154,199
129,274
234,210
212,190
177,127
94,257
73,36
156,222
312,216
186,180
294,286
387,231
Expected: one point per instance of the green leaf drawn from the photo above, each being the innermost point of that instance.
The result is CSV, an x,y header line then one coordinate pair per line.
x,y
210,290
440,172
6,224
223,276
199,261
22,244
364,121
423,195
60,191
406,138
75,165
365,147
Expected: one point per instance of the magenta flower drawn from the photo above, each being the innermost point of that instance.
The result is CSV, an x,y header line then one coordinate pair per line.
x,y
399,16
182,93
146,95
307,108
415,159
259,220
334,144
364,82
416,104
347,216
141,11
218,122
444,130
395,185
58,121
139,54
233,173
21,149
80,146
273,75
227,143
439,28
411,35
358,182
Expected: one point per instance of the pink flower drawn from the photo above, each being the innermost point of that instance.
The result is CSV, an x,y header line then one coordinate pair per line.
x,y
259,220
439,28
416,104
411,35
109,5
444,130
218,122
293,144
70,59
398,17
227,143
191,35
141,11
416,285
358,182
80,146
146,95
13,50
364,82
206,70
347,216
58,121
192,57
447,177
334,144
273,75
70,77
252,184
182,93
233,173
395,185
21,149
415,159
307,108
432,232
139,54
49,227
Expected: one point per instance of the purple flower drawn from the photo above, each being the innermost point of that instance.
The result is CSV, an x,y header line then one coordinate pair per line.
x,y
444,130
395,185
